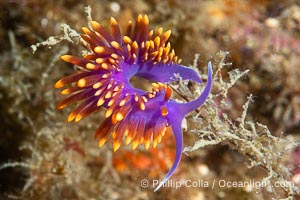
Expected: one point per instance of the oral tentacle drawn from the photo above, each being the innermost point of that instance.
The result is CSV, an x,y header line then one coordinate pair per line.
x,y
177,131
185,108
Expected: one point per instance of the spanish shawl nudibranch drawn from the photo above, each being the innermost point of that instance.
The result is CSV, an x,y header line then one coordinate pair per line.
x,y
102,80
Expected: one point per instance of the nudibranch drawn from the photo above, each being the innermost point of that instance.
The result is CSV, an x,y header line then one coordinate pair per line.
x,y
103,81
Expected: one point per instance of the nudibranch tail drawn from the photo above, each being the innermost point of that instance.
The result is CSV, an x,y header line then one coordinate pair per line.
x,y
103,81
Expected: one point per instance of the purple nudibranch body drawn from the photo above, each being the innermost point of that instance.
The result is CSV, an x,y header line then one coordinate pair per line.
x,y
102,80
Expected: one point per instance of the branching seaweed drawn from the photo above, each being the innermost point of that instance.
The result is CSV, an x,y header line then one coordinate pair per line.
x,y
251,139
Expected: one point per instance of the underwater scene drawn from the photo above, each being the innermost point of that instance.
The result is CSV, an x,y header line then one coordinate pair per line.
x,y
149,99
